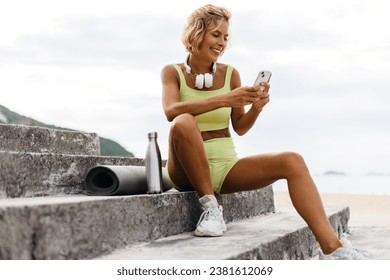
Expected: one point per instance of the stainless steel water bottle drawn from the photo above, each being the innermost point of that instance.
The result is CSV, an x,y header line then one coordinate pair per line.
x,y
153,165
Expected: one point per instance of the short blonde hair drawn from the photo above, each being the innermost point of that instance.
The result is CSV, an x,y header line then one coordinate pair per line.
x,y
199,22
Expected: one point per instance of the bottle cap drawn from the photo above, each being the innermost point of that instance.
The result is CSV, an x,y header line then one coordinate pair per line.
x,y
152,134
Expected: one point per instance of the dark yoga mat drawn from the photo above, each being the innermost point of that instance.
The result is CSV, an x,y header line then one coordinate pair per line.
x,y
117,180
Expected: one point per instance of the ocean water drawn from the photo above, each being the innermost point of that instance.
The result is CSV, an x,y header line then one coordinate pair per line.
x,y
347,184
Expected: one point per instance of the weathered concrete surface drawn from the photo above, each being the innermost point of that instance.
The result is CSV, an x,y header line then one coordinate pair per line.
x,y
34,139
80,227
278,236
39,174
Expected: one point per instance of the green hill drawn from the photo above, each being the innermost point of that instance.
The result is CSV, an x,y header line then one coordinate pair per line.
x,y
107,147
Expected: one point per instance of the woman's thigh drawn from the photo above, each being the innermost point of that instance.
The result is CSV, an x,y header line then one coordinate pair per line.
x,y
185,142
259,171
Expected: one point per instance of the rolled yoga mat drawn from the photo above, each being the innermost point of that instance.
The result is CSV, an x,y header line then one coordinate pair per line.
x,y
117,180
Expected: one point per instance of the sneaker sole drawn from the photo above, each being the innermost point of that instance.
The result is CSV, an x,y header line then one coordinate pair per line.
x,y
208,234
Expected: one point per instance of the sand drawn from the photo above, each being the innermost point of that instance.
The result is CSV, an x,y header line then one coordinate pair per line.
x,y
366,210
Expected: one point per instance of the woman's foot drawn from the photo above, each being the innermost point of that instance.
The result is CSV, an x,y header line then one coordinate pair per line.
x,y
346,252
211,221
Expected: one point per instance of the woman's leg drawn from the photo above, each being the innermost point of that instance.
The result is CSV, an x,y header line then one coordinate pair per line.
x,y
187,157
189,169
259,171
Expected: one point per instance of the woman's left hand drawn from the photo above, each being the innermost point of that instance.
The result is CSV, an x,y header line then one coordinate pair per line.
x,y
263,97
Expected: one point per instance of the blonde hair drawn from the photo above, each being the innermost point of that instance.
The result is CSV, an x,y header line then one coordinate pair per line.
x,y
199,22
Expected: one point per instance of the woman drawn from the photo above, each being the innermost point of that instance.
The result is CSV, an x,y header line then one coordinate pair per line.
x,y
200,98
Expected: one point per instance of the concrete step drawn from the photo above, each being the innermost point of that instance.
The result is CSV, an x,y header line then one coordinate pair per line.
x,y
85,227
276,236
20,138
44,174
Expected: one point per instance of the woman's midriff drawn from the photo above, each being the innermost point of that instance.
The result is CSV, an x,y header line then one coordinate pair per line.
x,y
220,133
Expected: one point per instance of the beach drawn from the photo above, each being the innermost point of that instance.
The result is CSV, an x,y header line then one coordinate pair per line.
x,y
369,223
366,210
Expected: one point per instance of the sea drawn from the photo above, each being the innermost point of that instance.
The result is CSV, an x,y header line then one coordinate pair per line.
x,y
347,184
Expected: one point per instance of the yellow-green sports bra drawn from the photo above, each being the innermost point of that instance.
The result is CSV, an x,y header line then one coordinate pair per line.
x,y
213,120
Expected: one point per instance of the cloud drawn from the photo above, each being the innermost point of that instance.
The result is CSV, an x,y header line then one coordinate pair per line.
x,y
132,41
316,52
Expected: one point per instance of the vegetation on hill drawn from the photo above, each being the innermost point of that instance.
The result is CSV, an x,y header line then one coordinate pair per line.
x,y
107,147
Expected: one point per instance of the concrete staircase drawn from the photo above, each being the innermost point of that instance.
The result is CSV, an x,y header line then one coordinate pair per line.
x,y
46,214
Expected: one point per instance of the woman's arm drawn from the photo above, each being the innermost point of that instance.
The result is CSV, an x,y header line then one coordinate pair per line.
x,y
243,121
173,107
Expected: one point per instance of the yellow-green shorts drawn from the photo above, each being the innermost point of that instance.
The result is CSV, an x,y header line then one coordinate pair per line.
x,y
222,156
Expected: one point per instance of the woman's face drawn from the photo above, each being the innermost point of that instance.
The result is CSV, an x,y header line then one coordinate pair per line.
x,y
215,41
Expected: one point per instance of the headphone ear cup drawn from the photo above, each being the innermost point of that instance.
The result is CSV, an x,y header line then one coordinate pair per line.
x,y
199,80
188,68
208,80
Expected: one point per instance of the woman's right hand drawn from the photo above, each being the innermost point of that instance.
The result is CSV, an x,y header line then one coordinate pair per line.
x,y
243,96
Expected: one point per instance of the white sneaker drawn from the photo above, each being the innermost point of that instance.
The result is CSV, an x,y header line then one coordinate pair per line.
x,y
211,223
344,253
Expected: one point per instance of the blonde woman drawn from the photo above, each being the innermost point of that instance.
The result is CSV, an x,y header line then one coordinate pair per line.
x,y
201,97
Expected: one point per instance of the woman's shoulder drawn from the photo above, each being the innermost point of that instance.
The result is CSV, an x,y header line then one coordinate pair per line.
x,y
171,68
169,72
224,67
235,78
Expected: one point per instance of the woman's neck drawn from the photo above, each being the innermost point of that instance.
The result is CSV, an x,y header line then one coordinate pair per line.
x,y
199,65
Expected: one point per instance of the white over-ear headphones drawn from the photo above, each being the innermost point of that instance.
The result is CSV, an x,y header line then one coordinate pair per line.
x,y
201,79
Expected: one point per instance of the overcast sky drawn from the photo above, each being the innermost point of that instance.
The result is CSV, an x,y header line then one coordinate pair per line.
x,y
95,66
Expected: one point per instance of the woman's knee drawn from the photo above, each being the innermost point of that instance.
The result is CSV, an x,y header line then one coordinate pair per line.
x,y
184,124
293,161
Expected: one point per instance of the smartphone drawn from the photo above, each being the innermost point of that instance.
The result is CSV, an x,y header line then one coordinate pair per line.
x,y
263,77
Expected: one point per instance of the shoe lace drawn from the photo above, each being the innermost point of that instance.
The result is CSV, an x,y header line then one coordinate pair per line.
x,y
210,214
